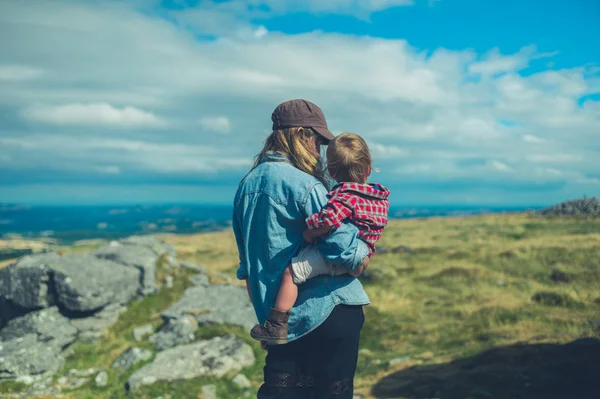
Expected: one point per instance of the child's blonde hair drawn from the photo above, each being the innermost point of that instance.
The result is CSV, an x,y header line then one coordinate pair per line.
x,y
348,158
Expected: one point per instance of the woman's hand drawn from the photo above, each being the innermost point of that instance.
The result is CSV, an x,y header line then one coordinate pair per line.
x,y
363,266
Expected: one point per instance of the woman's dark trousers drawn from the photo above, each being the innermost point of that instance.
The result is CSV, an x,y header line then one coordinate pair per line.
x,y
319,365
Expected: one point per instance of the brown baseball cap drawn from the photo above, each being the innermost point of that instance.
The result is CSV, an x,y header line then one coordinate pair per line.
x,y
301,113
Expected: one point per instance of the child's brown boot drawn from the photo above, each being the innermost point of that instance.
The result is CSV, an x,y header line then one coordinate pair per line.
x,y
275,329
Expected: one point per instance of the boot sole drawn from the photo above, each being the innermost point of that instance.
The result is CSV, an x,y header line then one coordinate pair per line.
x,y
270,340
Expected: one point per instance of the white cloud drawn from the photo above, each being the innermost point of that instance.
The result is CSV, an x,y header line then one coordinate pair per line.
x,y
219,124
556,158
500,166
62,151
530,138
574,176
494,62
359,8
19,72
94,114
346,6
381,151
234,17
261,31
145,70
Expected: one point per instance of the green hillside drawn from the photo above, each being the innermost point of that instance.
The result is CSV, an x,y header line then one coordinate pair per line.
x,y
479,307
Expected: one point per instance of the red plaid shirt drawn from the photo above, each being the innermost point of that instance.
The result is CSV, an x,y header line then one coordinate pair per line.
x,y
365,205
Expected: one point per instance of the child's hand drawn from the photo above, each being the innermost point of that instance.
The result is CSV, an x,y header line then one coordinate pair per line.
x,y
308,237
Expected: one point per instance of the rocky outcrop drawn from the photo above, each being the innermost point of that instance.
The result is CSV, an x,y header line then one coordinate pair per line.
x,y
93,327
199,279
101,379
131,357
218,304
140,332
76,283
193,266
157,246
215,357
26,284
113,274
47,300
241,381
85,283
141,258
26,356
175,332
583,207
48,325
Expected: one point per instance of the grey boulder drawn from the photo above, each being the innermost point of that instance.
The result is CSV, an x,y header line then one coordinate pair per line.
x,y
71,382
199,279
101,379
192,266
48,325
131,357
175,332
157,246
215,357
209,391
140,332
241,381
94,327
86,283
216,304
141,258
26,282
77,284
26,356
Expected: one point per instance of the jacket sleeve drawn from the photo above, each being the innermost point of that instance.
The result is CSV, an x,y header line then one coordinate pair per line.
x,y
242,271
343,246
332,214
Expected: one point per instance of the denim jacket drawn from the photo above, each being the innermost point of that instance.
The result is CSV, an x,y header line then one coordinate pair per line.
x,y
270,208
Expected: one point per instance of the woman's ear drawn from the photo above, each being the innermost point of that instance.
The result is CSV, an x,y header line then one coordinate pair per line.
x,y
304,134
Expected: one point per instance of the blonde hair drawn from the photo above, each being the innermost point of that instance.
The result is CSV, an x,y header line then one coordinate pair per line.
x,y
293,143
348,158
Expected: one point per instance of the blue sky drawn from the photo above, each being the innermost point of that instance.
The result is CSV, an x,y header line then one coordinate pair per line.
x,y
462,102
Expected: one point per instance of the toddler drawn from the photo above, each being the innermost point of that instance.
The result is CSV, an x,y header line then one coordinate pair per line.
x,y
363,204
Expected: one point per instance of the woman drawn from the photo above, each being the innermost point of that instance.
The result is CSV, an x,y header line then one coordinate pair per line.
x,y
285,186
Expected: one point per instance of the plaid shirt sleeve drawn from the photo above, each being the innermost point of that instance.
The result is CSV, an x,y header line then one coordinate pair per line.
x,y
333,213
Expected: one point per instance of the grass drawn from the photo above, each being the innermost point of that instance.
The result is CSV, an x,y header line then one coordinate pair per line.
x,y
468,286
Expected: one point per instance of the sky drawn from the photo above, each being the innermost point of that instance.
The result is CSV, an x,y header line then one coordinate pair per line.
x,y
462,102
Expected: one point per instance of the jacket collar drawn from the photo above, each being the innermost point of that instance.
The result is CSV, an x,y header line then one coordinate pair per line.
x,y
272,156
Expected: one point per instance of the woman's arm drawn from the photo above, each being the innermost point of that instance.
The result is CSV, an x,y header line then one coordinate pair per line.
x,y
343,246
248,289
242,271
